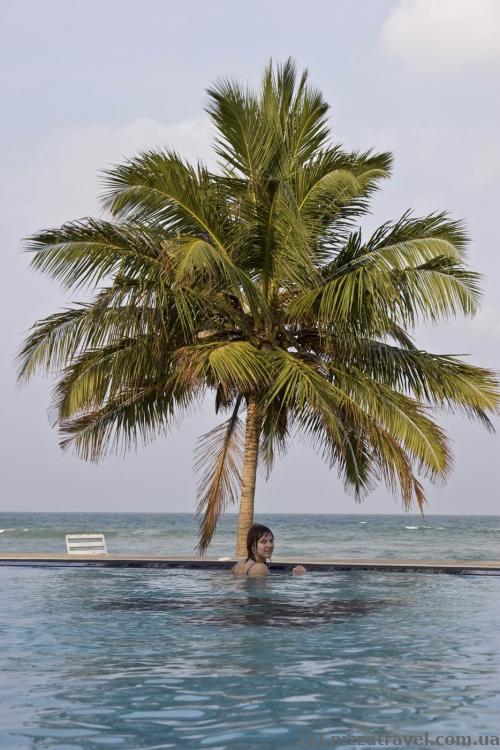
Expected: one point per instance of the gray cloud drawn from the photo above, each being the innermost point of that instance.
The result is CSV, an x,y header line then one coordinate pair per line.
x,y
443,36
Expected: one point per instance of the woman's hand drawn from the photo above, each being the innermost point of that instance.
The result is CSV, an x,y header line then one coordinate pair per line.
x,y
299,570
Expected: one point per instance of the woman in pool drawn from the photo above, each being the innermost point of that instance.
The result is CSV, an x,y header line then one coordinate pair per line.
x,y
260,545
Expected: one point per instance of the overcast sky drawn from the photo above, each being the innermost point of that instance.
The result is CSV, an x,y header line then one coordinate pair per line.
x,y
85,84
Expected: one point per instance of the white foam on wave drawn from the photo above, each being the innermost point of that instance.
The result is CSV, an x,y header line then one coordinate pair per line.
x,y
424,526
434,528
362,521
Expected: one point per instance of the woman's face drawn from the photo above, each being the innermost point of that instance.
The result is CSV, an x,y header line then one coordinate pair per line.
x,y
265,546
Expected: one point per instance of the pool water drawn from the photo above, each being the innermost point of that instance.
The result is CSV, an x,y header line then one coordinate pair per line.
x,y
148,658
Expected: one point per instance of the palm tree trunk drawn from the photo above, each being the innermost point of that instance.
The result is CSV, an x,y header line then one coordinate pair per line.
x,y
250,458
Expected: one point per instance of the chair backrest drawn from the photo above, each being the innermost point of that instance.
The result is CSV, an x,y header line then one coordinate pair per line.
x,y
86,544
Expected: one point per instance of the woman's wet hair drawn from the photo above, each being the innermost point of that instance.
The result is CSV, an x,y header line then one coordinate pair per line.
x,y
256,532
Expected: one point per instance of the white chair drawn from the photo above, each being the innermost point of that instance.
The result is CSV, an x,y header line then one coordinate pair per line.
x,y
86,544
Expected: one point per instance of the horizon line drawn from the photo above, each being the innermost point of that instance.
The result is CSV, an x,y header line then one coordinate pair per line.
x,y
257,513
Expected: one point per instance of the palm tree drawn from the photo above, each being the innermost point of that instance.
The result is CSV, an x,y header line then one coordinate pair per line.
x,y
253,283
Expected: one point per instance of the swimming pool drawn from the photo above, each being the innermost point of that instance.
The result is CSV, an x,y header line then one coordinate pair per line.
x,y
133,658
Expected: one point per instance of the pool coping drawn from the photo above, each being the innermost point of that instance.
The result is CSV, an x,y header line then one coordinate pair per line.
x,y
464,567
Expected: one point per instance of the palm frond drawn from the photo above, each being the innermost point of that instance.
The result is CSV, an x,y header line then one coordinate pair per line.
x,y
288,259
126,310
218,460
301,113
369,405
243,141
52,343
159,188
196,260
274,437
407,271
137,415
83,253
103,374
442,380
236,365
333,190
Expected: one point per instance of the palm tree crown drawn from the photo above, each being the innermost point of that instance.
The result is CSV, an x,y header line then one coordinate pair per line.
x,y
254,283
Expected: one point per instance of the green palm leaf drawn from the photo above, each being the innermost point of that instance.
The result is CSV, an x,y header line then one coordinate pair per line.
x,y
218,461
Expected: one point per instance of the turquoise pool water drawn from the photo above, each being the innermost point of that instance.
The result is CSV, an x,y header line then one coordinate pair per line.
x,y
95,658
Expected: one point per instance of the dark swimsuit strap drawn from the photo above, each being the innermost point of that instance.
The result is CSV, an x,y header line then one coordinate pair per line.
x,y
249,567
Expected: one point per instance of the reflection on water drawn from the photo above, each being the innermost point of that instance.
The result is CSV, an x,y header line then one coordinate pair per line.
x,y
253,611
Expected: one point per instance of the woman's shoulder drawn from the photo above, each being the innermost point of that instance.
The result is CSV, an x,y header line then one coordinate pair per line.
x,y
239,568
259,569
256,569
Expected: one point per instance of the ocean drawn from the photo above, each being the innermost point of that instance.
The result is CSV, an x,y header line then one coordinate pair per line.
x,y
304,536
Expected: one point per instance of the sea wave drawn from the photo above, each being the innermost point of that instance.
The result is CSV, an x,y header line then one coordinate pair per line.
x,y
424,526
45,533
417,527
